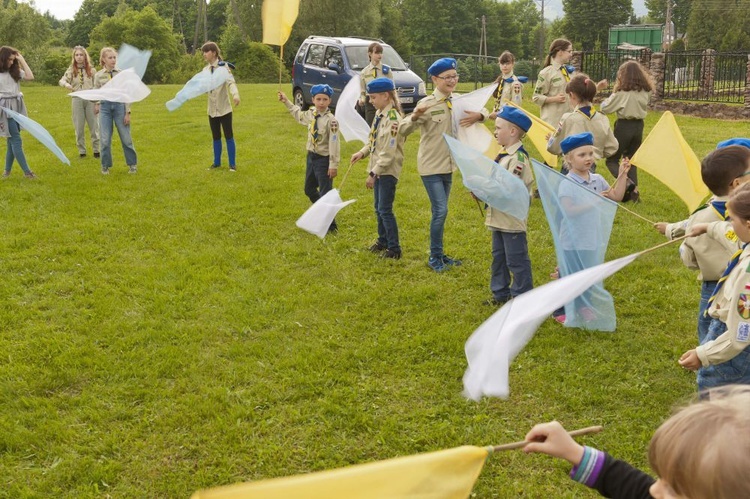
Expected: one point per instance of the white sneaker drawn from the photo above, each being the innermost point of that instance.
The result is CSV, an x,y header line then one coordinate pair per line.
x,y
133,169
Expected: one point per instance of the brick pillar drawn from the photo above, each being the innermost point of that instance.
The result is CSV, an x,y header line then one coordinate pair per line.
x,y
747,84
656,68
576,60
708,71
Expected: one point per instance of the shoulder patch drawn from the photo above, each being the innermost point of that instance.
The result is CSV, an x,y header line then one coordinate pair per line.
x,y
386,69
394,129
334,126
393,115
729,234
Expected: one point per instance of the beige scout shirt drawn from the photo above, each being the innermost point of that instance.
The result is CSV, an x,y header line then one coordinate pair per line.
x,y
507,92
732,307
518,164
433,157
102,77
551,82
708,253
78,79
577,122
219,99
369,73
387,156
327,143
630,105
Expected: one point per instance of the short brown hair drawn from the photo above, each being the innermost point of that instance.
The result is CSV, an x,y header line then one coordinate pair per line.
x,y
739,204
582,87
506,57
720,167
702,451
374,47
211,47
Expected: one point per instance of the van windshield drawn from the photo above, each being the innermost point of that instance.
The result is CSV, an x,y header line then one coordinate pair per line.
x,y
357,56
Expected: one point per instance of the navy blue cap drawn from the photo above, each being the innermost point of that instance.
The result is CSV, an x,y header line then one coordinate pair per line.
x,y
442,65
515,116
321,89
380,85
576,141
737,141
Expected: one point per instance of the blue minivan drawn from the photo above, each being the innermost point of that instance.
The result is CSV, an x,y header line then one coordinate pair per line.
x,y
334,60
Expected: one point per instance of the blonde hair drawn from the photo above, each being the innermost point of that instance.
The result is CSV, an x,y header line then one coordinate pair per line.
x,y
702,451
105,51
86,60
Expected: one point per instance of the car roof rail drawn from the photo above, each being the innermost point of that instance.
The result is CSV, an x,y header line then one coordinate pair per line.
x,y
366,38
316,37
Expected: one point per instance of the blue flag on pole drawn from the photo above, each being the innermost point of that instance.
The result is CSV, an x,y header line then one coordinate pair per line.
x,y
581,223
38,132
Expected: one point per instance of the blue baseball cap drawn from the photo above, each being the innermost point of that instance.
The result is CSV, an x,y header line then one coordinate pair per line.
x,y
441,66
515,116
737,141
576,141
321,89
380,85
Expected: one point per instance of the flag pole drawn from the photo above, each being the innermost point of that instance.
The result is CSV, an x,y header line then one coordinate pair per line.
x,y
341,185
654,248
479,205
281,63
636,214
524,443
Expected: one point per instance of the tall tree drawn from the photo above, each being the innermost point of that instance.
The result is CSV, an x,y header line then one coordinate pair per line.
x,y
22,27
587,22
723,26
657,11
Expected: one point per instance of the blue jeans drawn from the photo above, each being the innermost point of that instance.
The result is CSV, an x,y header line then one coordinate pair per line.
x,y
704,321
734,371
109,113
438,189
385,193
317,182
15,148
510,255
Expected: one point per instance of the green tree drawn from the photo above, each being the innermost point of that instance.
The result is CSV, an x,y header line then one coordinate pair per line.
x,y
721,26
586,22
22,27
657,12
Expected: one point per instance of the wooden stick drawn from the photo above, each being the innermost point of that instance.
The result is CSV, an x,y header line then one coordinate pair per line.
x,y
524,443
341,185
479,205
654,248
281,63
619,205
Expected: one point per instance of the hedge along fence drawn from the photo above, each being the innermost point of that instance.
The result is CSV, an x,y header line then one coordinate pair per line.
x,y
480,70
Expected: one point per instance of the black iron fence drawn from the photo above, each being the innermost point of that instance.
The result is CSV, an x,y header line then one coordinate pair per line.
x,y
474,69
705,76
600,65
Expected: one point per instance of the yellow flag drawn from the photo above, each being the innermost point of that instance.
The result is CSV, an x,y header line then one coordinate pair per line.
x,y
665,155
538,134
445,474
278,18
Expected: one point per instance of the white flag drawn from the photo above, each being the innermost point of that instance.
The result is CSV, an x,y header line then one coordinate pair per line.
x,y
131,57
319,216
125,87
477,136
493,346
352,125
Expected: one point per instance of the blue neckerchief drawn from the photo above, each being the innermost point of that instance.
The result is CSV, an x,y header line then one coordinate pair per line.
x,y
587,111
721,208
720,283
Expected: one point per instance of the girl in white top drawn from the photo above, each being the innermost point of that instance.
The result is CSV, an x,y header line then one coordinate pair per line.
x,y
80,76
13,69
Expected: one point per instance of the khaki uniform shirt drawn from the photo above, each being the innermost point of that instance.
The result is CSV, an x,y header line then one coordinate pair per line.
x,y
630,105
507,92
551,82
577,122
433,157
707,253
732,307
219,99
103,77
327,143
387,155
78,79
369,73
518,164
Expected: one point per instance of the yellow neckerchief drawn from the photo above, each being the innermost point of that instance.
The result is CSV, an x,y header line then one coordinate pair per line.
x,y
313,126
564,72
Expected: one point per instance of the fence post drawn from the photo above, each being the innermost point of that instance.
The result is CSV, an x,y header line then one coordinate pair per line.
x,y
656,67
576,60
708,70
747,84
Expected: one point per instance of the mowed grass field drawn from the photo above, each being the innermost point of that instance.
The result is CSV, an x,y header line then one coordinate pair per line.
x,y
174,330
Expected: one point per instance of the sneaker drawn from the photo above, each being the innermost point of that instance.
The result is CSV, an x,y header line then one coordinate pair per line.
x,y
6,174
377,248
232,169
394,254
494,302
333,230
451,261
97,155
560,319
30,175
132,169
436,264
105,170
83,154
214,167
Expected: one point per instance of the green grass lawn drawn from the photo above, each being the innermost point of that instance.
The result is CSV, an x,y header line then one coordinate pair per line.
x,y
173,330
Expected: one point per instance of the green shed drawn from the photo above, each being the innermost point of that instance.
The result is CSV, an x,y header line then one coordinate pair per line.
x,y
644,35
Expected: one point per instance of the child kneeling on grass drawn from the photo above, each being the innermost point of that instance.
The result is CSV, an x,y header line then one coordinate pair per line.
x,y
699,453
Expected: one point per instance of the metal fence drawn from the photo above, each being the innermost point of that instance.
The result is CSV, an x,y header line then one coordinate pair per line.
x,y
705,76
600,65
472,69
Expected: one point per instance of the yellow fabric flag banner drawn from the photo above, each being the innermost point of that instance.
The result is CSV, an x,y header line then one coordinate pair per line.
x,y
665,155
278,17
538,134
445,474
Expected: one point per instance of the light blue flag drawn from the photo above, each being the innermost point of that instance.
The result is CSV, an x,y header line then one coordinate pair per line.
x,y
39,132
494,185
131,57
202,83
581,223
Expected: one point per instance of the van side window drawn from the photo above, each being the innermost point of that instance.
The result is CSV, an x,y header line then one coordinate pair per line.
x,y
315,55
333,55
301,54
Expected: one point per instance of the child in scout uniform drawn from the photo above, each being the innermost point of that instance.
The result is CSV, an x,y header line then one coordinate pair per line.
x,y
220,107
549,92
111,113
13,69
509,86
370,72
584,118
323,147
629,100
510,249
722,170
386,151
433,116
698,453
80,76
724,357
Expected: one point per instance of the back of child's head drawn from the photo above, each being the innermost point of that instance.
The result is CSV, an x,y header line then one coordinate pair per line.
x,y
739,203
703,451
722,166
374,48
506,58
582,87
633,77
557,45
211,47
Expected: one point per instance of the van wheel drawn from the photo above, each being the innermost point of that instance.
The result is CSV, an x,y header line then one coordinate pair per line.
x,y
299,100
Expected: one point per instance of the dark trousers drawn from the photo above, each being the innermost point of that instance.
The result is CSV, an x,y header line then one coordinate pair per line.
x,y
629,133
317,182
510,258
221,122
385,193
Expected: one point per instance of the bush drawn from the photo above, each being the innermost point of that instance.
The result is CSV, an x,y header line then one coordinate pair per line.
x,y
55,64
188,66
255,62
